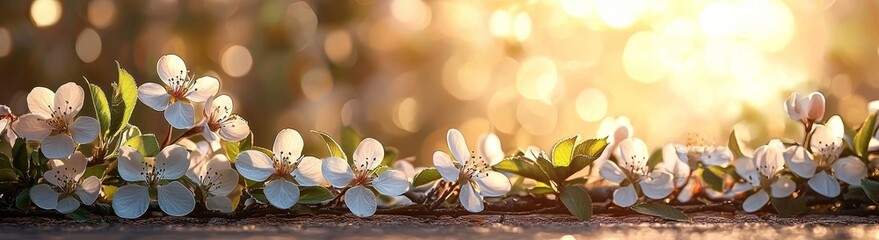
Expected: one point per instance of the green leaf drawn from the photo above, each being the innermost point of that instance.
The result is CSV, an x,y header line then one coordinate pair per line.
x,y
591,147
655,158
584,154
314,195
563,152
426,176
23,200
713,176
96,170
79,214
5,162
871,188
578,202
540,191
789,206
661,210
8,175
123,102
235,148
864,134
734,146
146,144
102,108
391,154
350,140
547,168
332,146
522,167
20,156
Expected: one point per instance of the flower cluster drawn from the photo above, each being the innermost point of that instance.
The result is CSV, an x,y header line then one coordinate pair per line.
x,y
61,161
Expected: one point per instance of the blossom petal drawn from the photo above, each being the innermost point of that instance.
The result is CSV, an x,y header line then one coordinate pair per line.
x,y
219,107
445,167
826,141
674,165
800,161
790,105
224,181
43,196
688,191
172,162
131,201
850,170
369,154
88,190
470,199
494,184
255,165
219,203
281,193
32,127
406,167
175,199
634,153
131,164
458,145
783,187
171,69
718,156
625,196
57,146
68,100
611,172
85,129
180,115
154,96
746,169
360,201
816,106
288,145
309,173
67,205
771,159
490,147
337,172
756,201
41,101
824,184
391,183
203,89
234,129
657,185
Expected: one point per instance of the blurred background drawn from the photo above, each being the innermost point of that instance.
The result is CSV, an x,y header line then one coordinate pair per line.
x,y
404,71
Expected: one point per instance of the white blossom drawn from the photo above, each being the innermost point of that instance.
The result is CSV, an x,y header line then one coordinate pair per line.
x,y
53,120
473,172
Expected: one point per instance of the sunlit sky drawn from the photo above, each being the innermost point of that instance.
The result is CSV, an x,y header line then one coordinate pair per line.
x,y
404,71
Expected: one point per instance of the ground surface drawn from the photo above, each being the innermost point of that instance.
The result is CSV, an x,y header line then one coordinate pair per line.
x,y
542,226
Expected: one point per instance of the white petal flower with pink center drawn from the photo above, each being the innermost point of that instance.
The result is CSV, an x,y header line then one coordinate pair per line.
x,y
472,171
219,120
153,174
359,181
823,167
215,179
761,172
679,160
54,123
178,92
634,176
615,130
285,171
66,189
805,109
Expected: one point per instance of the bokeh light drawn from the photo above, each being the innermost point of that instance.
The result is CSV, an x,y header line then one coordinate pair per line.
x,y
45,13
